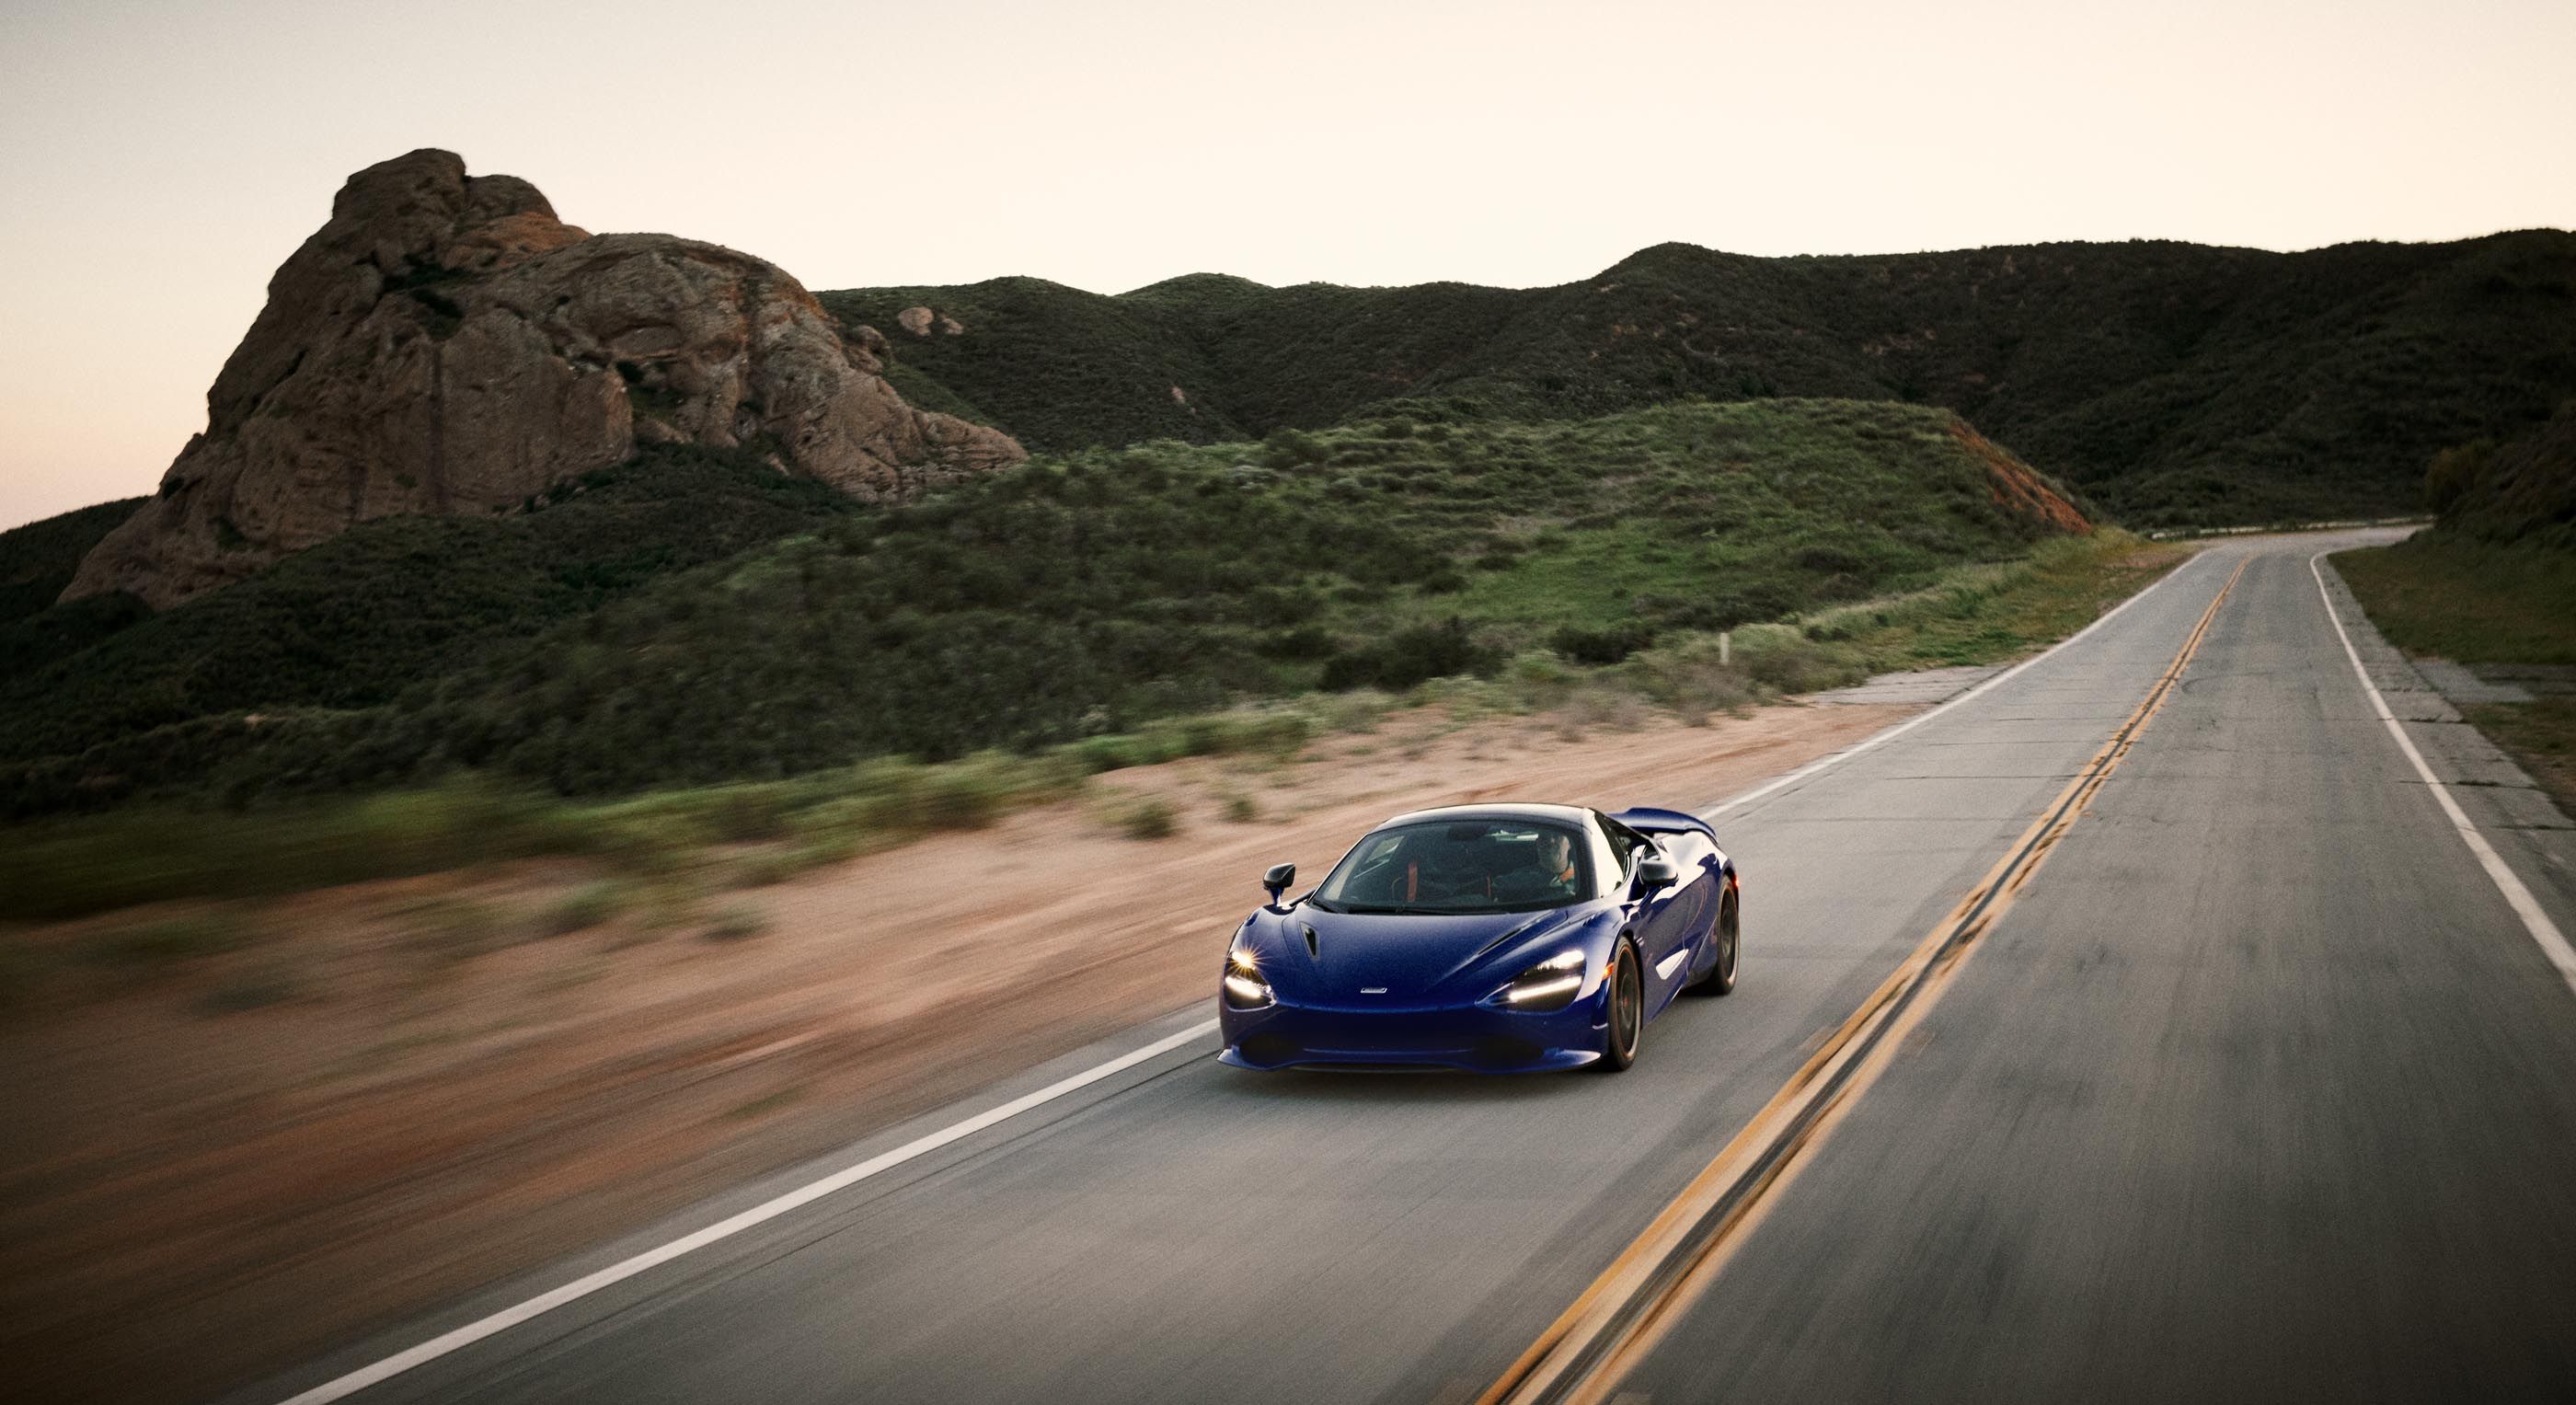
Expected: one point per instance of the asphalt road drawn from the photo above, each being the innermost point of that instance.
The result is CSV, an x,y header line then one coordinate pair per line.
x,y
2259,1091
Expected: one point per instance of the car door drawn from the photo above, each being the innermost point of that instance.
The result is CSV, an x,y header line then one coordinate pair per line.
x,y
1661,921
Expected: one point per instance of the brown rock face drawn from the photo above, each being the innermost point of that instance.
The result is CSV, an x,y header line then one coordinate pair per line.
x,y
446,345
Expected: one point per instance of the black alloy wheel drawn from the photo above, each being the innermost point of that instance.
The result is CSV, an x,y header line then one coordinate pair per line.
x,y
1730,944
1627,1010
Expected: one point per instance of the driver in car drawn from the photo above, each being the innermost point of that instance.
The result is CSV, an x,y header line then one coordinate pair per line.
x,y
1546,872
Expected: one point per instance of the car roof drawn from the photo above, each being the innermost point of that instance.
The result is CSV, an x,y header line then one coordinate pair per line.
x,y
1560,814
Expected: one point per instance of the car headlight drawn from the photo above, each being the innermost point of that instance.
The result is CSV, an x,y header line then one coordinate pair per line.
x,y
1244,987
1549,985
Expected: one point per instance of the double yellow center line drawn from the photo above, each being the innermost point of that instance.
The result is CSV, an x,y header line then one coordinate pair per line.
x,y
1616,1320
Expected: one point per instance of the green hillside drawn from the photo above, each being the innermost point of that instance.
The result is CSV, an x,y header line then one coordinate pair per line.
x,y
36,563
37,560
2493,583
2174,383
1056,366
355,621
2522,492
696,617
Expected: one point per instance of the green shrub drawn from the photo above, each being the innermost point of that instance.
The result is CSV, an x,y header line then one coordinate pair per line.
x,y
821,851
2454,473
1358,710
1113,753
1784,659
1686,678
1151,817
1591,707
586,907
1275,730
1602,646
450,931
1287,448
1306,641
669,903
172,940
1411,656
269,983
736,923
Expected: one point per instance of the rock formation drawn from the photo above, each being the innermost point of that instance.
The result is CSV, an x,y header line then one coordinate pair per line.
x,y
446,345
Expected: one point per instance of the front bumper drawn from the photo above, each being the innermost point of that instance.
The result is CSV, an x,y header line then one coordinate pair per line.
x,y
1477,1038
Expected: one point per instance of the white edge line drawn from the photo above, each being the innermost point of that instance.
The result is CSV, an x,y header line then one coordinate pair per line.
x,y
767,1210
1901,728
2553,943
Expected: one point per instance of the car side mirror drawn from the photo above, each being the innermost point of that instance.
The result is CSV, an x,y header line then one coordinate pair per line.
x,y
1657,871
1277,877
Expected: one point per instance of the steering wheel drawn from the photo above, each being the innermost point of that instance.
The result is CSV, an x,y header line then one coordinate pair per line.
x,y
1460,880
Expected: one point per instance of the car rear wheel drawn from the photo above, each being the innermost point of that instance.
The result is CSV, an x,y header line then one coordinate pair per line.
x,y
1627,1011
1727,936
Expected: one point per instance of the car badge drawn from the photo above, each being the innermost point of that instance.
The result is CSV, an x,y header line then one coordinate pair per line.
x,y
1372,990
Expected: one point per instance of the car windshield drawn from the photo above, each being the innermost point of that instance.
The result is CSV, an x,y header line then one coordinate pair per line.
x,y
1461,866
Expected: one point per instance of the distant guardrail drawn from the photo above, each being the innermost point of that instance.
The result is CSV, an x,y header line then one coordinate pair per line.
x,y
2179,533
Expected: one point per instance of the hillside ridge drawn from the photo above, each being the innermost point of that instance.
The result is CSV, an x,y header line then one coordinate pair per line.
x,y
693,616
2174,383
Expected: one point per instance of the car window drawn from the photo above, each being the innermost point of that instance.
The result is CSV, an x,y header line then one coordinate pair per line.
x,y
1461,866
1624,842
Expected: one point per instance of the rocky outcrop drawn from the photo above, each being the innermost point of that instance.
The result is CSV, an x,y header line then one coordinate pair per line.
x,y
2016,486
446,345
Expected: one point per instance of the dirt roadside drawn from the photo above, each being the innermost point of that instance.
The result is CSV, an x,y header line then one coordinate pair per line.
x,y
191,1198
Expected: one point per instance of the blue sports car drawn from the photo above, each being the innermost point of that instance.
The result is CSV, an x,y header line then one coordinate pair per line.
x,y
1497,938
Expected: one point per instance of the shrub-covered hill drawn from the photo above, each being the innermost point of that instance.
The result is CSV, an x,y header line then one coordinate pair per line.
x,y
37,560
2174,383
356,620
696,617
2523,491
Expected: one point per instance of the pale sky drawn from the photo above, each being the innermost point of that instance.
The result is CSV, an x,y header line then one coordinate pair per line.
x,y
160,160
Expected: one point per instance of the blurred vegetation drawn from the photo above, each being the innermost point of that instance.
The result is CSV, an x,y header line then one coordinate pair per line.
x,y
695,618
2520,493
2447,594
587,906
1148,817
2492,582
2452,596
736,923
663,848
171,940
2176,384
354,622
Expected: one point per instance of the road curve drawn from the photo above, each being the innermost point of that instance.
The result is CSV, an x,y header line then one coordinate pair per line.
x,y
2259,1089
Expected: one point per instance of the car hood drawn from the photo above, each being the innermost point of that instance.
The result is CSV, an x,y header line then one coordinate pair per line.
x,y
1404,959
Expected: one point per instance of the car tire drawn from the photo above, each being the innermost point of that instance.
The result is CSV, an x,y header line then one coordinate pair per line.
x,y
1625,1031
1727,935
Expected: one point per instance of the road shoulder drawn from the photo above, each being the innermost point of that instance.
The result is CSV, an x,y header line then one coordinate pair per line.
x,y
2528,829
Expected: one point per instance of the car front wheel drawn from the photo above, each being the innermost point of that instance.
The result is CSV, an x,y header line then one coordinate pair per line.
x,y
1627,1010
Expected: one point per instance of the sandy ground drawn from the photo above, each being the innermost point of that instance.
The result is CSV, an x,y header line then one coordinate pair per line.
x,y
189,1198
